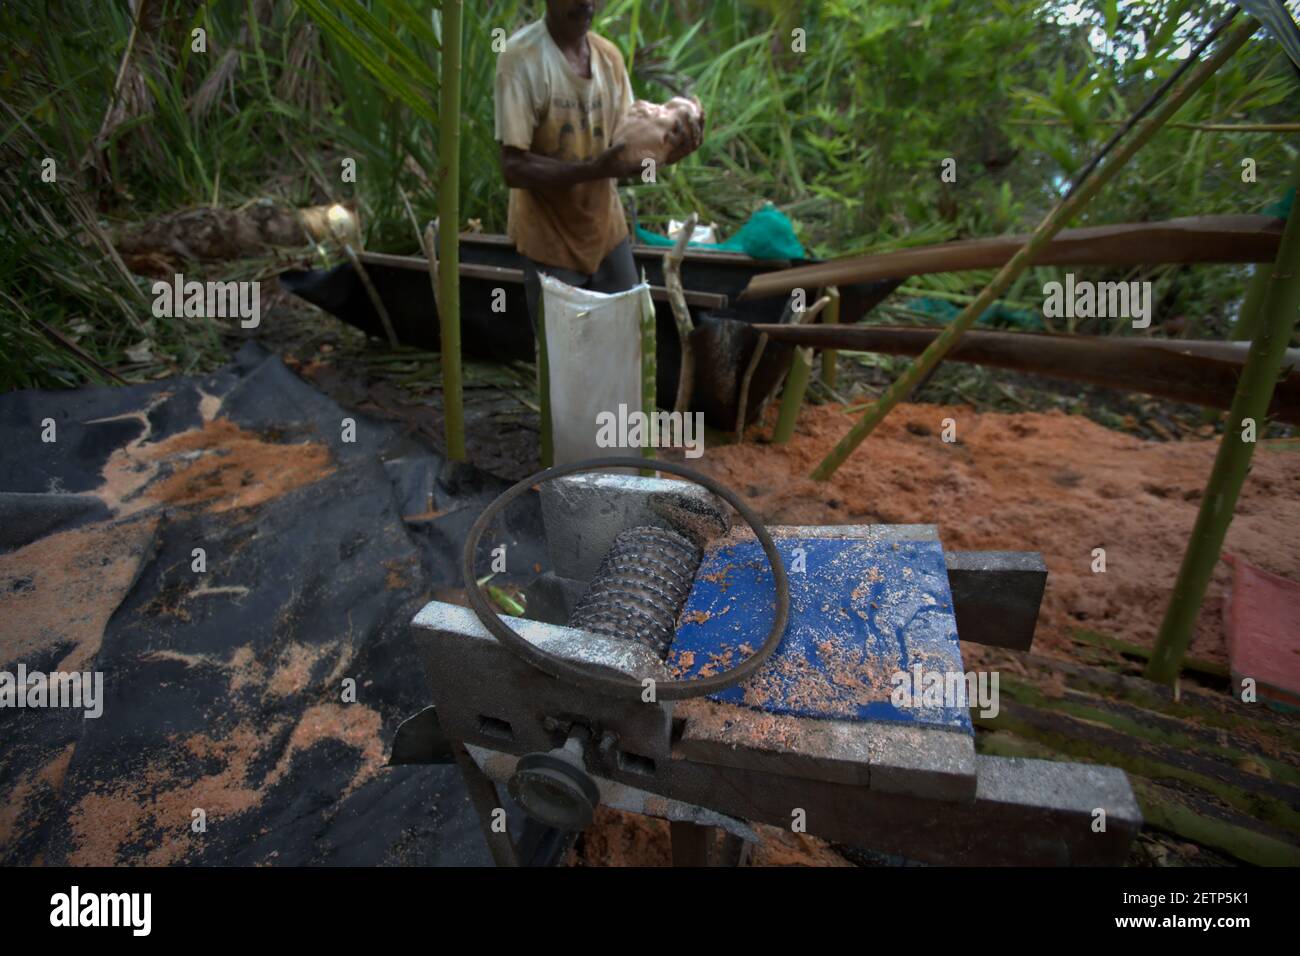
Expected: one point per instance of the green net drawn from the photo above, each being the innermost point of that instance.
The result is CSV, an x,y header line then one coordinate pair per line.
x,y
768,234
998,315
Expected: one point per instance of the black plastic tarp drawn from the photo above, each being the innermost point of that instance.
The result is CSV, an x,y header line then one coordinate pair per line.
x,y
225,690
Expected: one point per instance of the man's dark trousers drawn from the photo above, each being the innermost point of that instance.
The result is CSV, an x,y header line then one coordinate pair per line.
x,y
616,273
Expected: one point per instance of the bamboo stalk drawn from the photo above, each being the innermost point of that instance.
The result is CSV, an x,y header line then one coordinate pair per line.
x,y
681,315
502,599
415,225
1256,288
59,339
1278,315
830,358
1202,127
1055,221
105,126
796,383
453,402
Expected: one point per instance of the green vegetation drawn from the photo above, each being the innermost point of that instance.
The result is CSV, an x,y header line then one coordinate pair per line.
x,y
847,137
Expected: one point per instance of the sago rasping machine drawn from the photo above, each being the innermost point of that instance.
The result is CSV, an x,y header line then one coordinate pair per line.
x,y
719,676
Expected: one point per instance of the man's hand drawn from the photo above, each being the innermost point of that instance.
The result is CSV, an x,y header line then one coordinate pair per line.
x,y
685,138
614,164
528,170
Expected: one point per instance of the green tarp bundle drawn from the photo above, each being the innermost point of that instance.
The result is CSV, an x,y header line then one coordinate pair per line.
x,y
998,315
768,234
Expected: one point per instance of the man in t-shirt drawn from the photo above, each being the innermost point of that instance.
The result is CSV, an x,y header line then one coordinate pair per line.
x,y
561,95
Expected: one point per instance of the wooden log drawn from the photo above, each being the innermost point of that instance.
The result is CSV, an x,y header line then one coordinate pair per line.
x,y
509,276
1193,239
1200,373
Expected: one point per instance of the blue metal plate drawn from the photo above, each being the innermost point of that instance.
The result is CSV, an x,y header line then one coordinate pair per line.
x,y
867,619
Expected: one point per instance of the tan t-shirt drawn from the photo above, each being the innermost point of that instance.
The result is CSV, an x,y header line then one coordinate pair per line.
x,y
543,106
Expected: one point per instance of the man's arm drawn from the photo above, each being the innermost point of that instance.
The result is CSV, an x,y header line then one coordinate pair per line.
x,y
527,170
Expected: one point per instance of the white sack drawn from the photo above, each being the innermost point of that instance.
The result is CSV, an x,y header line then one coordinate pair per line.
x,y
593,348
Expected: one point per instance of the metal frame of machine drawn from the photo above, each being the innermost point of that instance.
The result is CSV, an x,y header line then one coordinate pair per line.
x,y
914,792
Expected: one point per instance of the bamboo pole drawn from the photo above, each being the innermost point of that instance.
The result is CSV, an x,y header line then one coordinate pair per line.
x,y
747,377
449,215
1056,220
796,383
830,358
1257,287
1278,315
1200,127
